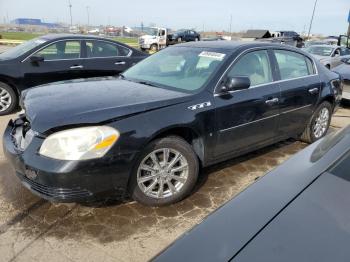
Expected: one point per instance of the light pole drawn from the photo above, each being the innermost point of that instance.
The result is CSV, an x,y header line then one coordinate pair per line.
x,y
230,24
88,16
312,19
70,12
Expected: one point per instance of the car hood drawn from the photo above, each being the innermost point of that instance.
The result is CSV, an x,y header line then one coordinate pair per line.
x,y
321,58
80,102
343,70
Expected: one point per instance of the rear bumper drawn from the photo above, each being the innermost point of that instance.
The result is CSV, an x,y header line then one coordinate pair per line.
x,y
67,181
346,90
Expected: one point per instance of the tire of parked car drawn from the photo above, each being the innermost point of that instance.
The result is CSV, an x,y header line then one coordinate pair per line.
x,y
197,39
319,123
179,39
8,99
165,172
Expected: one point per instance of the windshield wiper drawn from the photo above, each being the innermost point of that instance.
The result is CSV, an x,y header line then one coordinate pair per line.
x,y
146,83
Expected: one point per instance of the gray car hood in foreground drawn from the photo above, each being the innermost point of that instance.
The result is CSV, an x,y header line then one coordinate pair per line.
x,y
284,216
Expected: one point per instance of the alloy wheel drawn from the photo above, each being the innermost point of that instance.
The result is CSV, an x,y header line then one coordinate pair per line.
x,y
5,99
321,123
162,173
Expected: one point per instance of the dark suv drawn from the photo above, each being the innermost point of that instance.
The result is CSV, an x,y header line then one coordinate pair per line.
x,y
185,107
184,36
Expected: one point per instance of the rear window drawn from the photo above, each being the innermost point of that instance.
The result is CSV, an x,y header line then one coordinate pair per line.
x,y
342,168
329,142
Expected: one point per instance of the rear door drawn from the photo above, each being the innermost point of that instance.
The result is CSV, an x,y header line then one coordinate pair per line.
x,y
300,87
103,58
62,61
248,118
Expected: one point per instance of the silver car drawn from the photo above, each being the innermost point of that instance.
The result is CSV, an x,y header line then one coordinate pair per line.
x,y
328,55
344,71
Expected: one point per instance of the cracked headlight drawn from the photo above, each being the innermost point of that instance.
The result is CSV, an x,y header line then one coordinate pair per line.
x,y
80,143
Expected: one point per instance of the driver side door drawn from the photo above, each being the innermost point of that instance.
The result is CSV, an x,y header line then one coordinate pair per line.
x,y
247,119
61,61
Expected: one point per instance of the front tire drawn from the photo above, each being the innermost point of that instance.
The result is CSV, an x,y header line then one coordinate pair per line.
x,y
319,123
8,99
165,173
154,48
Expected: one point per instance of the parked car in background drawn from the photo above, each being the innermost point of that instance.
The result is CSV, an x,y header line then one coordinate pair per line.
x,y
184,36
344,71
297,212
148,133
59,57
330,56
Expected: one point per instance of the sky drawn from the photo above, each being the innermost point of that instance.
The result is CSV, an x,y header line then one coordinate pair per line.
x,y
212,15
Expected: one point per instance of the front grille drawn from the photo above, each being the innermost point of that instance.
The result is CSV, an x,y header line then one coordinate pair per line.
x,y
57,193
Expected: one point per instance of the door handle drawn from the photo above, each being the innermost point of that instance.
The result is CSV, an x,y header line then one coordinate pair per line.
x,y
272,101
313,91
76,67
120,63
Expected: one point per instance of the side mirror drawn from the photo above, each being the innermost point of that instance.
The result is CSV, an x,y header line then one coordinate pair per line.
x,y
236,83
36,59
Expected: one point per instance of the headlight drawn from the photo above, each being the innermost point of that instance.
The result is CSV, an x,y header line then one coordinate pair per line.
x,y
80,143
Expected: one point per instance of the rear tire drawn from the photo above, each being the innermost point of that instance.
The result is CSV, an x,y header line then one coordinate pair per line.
x,y
8,99
319,123
165,173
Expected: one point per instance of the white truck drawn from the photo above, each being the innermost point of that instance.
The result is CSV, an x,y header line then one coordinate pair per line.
x,y
155,39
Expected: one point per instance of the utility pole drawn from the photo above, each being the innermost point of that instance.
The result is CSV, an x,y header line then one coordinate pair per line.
x,y
88,16
230,24
70,12
312,19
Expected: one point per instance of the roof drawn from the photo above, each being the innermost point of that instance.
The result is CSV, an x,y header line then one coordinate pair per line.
x,y
227,45
58,36
257,34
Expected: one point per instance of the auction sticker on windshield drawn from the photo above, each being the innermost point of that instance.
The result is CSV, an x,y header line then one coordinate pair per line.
x,y
213,55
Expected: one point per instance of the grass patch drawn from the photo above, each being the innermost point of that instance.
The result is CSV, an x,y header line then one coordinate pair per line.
x,y
128,40
19,35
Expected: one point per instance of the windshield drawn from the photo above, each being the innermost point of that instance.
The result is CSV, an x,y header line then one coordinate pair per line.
x,y
187,69
151,31
320,50
22,48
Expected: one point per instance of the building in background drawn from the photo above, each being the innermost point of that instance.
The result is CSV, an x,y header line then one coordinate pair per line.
x,y
34,22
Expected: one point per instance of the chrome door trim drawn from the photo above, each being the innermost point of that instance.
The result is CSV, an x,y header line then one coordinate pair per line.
x,y
265,118
78,40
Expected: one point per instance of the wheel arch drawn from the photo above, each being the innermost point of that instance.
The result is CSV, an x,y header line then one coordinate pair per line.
x,y
9,81
189,135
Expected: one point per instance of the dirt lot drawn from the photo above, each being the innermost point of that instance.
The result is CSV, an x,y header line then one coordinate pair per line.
x,y
32,229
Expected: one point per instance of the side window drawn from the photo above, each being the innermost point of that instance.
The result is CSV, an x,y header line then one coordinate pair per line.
x,y
104,49
254,65
61,50
310,66
292,64
344,51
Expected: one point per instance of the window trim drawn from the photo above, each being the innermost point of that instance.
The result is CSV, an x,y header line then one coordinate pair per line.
x,y
81,40
271,50
237,58
289,79
108,42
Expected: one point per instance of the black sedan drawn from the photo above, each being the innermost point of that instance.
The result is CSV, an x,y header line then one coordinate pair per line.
x,y
59,57
184,36
186,107
344,71
298,212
